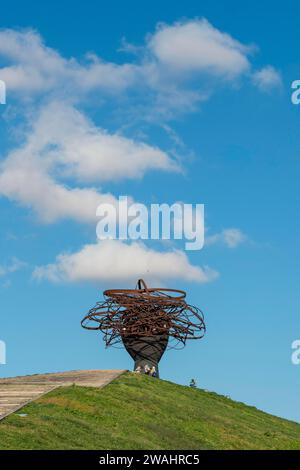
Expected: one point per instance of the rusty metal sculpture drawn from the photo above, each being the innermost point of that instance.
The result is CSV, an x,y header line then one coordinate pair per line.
x,y
145,320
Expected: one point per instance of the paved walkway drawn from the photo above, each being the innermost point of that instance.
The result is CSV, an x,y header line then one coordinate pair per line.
x,y
15,392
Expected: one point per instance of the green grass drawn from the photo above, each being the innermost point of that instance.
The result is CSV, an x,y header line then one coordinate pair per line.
x,y
139,412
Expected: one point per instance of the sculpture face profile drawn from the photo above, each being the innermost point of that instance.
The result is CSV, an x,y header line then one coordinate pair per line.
x,y
146,320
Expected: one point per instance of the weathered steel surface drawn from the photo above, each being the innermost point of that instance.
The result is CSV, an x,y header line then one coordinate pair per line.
x,y
145,312
145,320
146,350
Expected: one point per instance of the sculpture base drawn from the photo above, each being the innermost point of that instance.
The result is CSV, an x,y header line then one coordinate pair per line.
x,y
146,350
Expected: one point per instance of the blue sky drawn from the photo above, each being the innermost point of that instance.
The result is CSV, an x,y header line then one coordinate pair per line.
x,y
77,128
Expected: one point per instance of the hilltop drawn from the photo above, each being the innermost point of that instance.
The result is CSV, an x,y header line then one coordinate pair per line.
x,y
139,412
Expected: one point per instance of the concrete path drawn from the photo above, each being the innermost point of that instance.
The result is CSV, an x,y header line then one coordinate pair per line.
x,y
15,392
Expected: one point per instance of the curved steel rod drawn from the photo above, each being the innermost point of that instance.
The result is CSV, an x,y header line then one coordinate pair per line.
x,y
144,312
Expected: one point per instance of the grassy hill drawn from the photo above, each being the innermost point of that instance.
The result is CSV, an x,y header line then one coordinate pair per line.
x,y
139,412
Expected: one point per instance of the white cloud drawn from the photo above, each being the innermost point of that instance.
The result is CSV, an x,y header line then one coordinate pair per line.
x,y
112,260
68,139
267,78
35,68
62,145
197,46
165,75
29,186
231,237
64,157
14,266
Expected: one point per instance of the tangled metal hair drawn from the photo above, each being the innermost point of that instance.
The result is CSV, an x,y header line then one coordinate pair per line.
x,y
144,312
